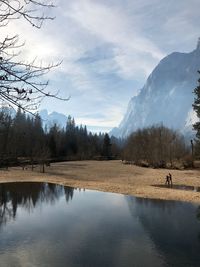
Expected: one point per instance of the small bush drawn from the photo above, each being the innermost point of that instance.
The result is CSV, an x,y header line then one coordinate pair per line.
x,y
188,161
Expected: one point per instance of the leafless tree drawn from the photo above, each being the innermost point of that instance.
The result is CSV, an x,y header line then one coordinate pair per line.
x,y
22,83
156,146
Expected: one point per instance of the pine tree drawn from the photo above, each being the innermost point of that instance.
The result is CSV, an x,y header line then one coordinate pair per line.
x,y
196,107
106,146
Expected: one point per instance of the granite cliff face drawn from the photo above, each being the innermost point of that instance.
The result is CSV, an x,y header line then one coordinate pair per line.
x,y
166,97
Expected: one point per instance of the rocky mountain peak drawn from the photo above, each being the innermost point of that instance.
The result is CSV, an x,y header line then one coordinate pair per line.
x,y
168,90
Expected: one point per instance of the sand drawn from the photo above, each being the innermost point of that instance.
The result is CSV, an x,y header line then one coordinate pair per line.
x,y
112,176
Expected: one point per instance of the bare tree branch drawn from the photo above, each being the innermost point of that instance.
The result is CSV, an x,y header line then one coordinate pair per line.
x,y
22,84
32,11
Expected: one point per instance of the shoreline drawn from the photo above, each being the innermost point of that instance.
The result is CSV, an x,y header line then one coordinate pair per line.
x,y
114,177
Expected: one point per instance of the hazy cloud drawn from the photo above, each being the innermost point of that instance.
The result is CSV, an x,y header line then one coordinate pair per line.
x,y
108,48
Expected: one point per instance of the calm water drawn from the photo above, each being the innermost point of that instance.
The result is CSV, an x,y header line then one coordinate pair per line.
x,y
180,187
50,225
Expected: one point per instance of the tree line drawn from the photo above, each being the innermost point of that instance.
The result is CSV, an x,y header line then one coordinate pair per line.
x,y
23,138
156,146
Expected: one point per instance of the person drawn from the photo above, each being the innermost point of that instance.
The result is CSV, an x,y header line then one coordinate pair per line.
x,y
167,180
170,178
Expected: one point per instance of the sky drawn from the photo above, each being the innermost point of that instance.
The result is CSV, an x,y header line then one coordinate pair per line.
x,y
107,48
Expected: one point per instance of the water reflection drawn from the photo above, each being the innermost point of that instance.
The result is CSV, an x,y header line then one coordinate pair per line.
x,y
43,228
172,228
180,187
198,213
28,195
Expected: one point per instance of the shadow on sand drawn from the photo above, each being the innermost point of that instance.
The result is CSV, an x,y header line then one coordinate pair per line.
x,y
180,187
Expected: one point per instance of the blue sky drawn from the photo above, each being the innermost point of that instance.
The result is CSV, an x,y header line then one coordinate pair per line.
x,y
108,48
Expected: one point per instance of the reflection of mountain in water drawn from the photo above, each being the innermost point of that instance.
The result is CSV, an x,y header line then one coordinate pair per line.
x,y
172,227
28,195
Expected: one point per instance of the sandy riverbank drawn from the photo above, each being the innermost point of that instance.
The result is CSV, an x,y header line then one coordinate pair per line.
x,y
112,176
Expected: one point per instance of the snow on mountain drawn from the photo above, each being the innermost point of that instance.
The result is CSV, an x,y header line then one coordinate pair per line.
x,y
54,117
166,97
60,119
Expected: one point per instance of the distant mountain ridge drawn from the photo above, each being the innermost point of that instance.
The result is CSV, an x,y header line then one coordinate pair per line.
x,y
48,119
60,119
54,117
166,97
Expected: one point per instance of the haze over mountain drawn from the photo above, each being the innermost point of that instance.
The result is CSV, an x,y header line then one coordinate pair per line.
x,y
166,97
61,119
54,117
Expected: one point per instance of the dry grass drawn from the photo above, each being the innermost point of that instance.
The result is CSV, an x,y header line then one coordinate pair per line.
x,y
112,176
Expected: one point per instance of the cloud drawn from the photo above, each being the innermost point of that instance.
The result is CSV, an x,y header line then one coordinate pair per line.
x,y
108,49
109,24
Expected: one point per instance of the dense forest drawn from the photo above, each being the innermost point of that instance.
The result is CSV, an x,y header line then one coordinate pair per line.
x,y
25,138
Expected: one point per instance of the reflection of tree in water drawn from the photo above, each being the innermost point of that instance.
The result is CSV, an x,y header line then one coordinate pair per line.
x,y
198,213
28,196
69,192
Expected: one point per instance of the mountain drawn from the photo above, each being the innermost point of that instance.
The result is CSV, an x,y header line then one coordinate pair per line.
x,y
50,118
166,97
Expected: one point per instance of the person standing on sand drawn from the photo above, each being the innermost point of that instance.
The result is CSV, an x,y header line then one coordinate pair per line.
x,y
167,180
170,178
